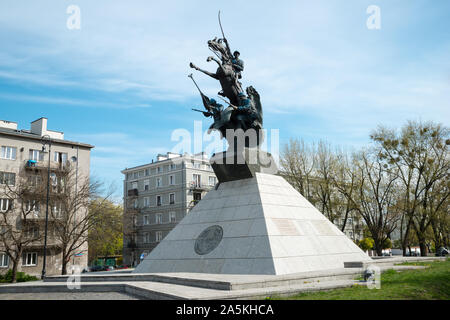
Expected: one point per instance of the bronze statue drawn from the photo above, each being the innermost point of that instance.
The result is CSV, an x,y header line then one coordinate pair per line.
x,y
244,111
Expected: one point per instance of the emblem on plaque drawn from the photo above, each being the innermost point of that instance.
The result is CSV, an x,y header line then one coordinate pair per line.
x,y
208,240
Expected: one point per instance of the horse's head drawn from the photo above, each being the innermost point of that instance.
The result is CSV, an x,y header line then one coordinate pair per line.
x,y
218,47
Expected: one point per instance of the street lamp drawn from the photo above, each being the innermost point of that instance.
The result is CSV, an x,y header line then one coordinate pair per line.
x,y
46,140
75,159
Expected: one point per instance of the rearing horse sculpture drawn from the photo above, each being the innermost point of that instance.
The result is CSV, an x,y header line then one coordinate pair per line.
x,y
225,73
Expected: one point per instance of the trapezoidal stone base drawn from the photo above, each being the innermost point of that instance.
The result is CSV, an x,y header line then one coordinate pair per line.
x,y
260,225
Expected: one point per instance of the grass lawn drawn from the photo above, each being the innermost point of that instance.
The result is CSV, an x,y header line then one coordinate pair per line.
x,y
423,284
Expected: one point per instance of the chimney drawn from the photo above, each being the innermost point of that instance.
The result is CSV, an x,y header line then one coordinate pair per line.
x,y
39,126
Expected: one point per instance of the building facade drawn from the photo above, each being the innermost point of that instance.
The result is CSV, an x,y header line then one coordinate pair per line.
x,y
157,196
24,163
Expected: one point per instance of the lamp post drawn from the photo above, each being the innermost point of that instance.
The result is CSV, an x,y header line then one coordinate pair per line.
x,y
75,159
46,140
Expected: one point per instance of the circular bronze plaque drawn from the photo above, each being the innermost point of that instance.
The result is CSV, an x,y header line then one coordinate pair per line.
x,y
208,240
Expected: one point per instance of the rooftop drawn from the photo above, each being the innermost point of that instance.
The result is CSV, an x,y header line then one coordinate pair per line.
x,y
169,157
37,131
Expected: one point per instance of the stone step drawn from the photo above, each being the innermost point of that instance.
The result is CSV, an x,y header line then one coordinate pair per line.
x,y
220,282
240,286
165,291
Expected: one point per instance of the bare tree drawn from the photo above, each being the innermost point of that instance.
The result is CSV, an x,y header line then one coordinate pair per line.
x,y
324,173
81,201
345,181
20,222
375,197
298,162
420,155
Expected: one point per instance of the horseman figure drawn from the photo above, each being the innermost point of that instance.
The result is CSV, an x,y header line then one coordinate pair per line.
x,y
244,111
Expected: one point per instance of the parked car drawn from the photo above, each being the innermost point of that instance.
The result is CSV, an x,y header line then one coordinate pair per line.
x,y
441,252
122,267
97,268
109,268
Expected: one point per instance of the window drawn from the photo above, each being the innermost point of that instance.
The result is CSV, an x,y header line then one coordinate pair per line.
x,y
172,198
159,218
146,237
146,202
146,184
56,210
159,169
54,181
171,180
8,153
351,234
6,205
196,165
134,185
135,204
146,220
29,259
36,155
141,174
158,236
60,157
33,232
34,180
350,220
196,180
147,172
32,205
197,196
158,182
212,181
135,175
172,217
4,260
8,178
208,166
173,166
158,200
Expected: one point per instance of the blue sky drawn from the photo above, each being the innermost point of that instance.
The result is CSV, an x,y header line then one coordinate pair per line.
x,y
120,82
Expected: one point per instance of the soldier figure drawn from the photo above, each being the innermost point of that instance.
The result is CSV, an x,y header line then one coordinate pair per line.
x,y
246,110
238,64
215,109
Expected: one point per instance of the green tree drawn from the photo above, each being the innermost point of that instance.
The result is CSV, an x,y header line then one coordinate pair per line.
x,y
106,235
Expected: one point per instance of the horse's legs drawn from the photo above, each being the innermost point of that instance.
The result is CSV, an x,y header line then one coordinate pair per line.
x,y
212,75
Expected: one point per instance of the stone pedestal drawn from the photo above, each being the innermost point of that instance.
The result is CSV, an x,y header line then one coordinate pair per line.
x,y
243,164
258,225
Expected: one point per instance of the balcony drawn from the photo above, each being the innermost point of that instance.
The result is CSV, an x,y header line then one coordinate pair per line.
x,y
43,165
39,244
37,217
133,193
198,186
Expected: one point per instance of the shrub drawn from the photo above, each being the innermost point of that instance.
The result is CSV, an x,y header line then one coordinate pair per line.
x,y
387,244
366,244
20,277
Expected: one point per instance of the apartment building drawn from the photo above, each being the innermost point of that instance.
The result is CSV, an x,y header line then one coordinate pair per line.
x,y
22,158
158,195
